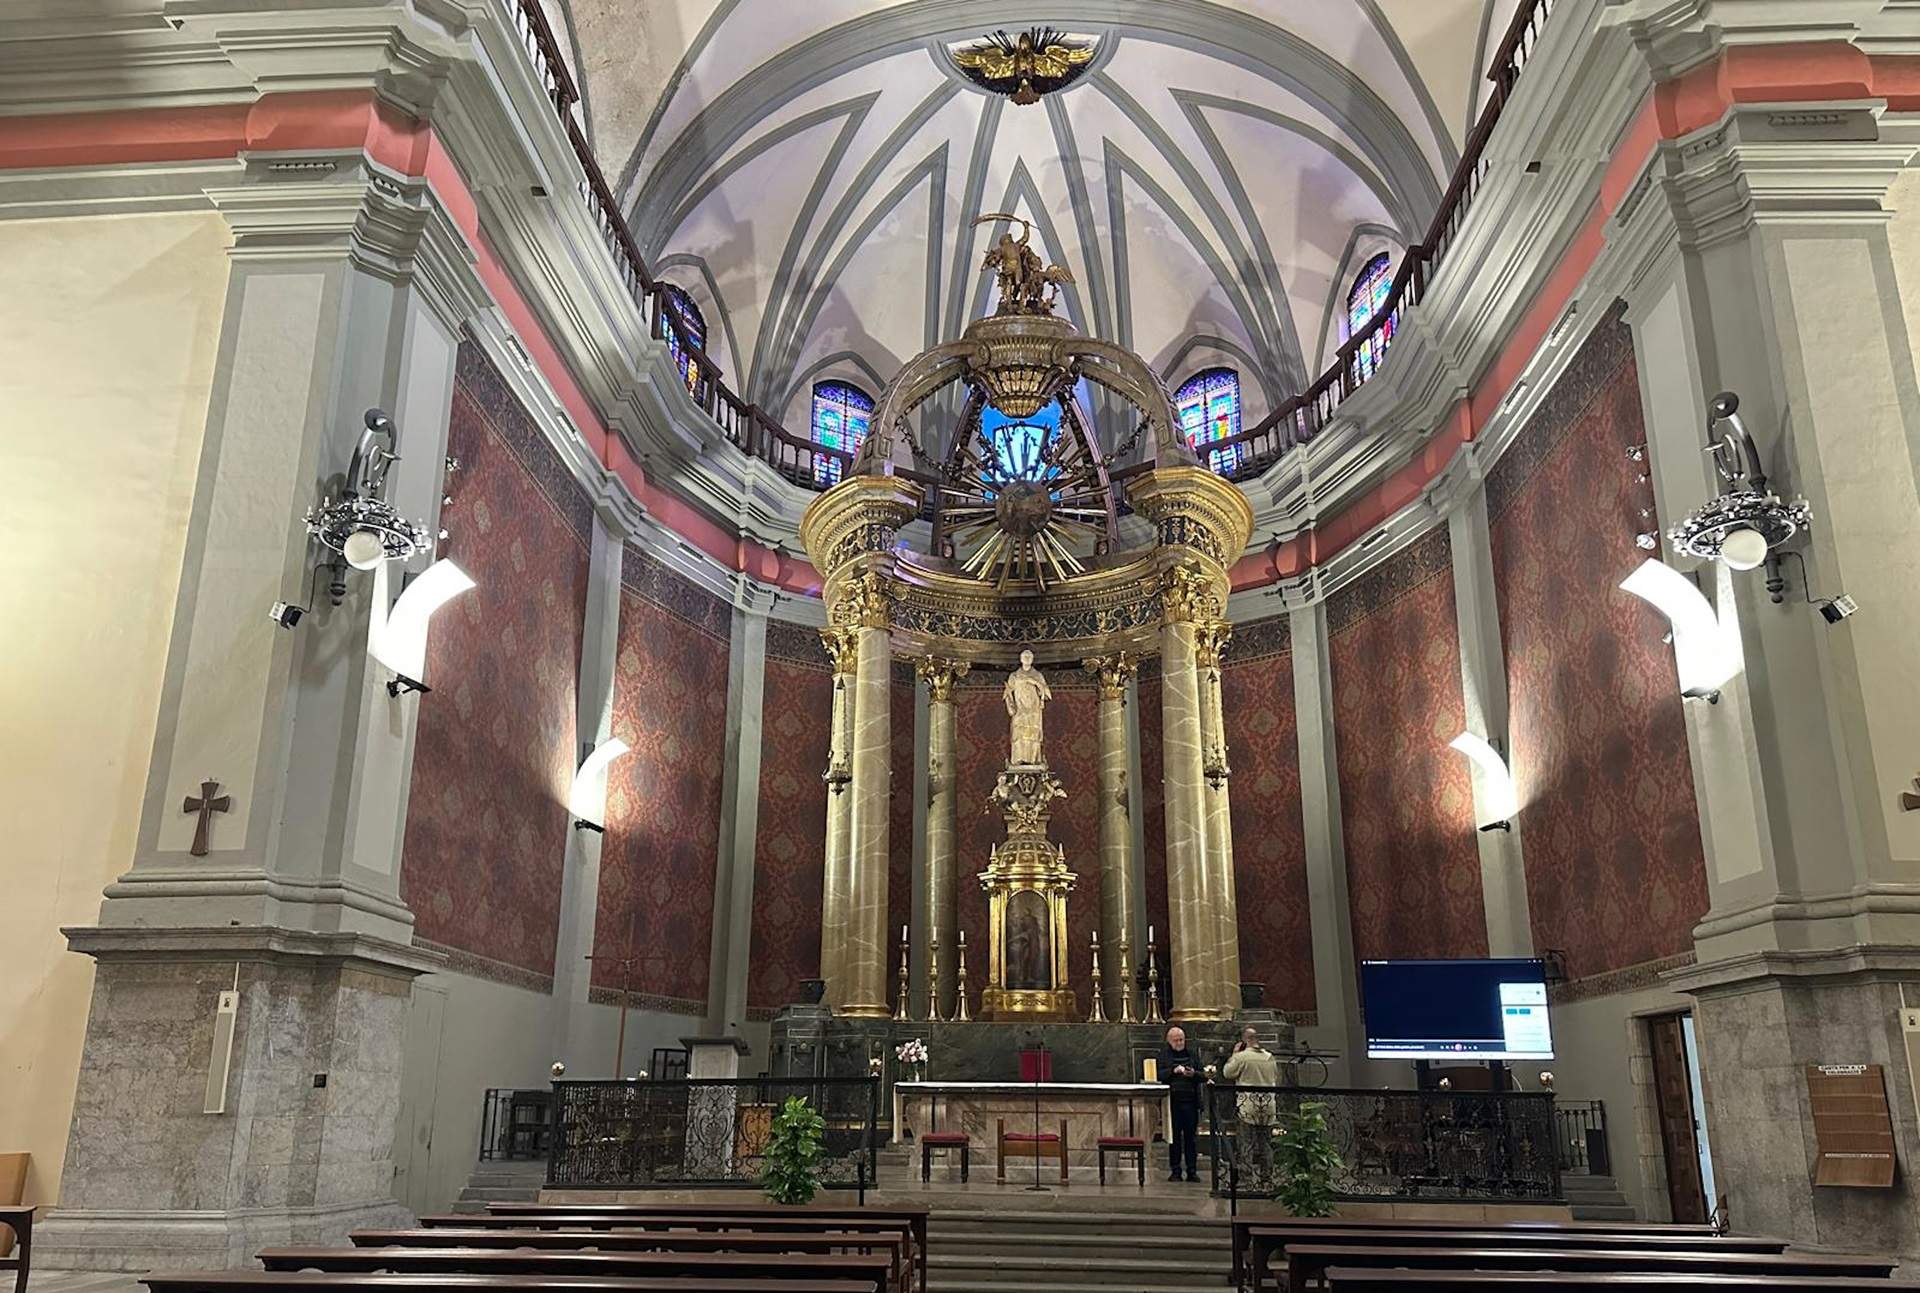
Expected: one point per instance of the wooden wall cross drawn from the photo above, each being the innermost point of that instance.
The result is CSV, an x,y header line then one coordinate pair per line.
x,y
206,805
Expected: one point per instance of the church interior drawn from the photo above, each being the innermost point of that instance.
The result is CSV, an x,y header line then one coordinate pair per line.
x,y
1127,641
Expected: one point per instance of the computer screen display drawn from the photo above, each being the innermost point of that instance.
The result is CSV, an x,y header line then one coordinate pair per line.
x,y
1466,1010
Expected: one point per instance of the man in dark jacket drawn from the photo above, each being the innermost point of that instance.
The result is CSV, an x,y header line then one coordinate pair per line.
x,y
1179,1068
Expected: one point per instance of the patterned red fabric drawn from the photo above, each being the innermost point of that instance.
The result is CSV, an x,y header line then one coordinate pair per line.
x,y
1269,835
494,751
1406,799
790,843
663,801
980,751
1616,875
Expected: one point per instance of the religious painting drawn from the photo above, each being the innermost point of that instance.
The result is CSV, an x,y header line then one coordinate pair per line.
x,y
1029,953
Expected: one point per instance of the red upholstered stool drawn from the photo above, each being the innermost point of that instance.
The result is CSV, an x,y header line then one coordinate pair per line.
x,y
1123,1146
1027,1144
943,1140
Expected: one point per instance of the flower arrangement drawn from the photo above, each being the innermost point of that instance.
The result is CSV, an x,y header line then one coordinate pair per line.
x,y
913,1052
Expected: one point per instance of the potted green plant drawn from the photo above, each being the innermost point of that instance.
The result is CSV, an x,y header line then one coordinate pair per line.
x,y
1305,1160
790,1174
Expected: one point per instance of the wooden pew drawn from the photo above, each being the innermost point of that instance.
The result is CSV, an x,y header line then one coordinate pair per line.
x,y
1242,1227
726,1216
1263,1242
741,1254
1307,1263
343,1282
1342,1279
650,1264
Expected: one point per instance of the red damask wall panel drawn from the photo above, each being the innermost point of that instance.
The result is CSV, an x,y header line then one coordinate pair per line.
x,y
663,800
900,707
1269,841
790,843
494,754
1616,875
1406,799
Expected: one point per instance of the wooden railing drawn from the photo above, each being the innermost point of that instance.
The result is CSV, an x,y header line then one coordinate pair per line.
x,y
808,463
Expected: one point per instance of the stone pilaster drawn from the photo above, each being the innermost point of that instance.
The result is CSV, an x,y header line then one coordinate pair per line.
x,y
1119,890
1483,677
739,810
1210,642
1764,264
580,879
843,646
1336,992
347,290
943,894
1190,900
865,963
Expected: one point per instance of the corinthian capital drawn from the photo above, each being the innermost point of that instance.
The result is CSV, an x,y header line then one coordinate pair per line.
x,y
1187,596
1210,638
940,675
843,648
862,602
1114,673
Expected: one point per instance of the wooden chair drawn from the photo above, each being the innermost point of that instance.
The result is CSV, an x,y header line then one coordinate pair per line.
x,y
20,1222
1123,1146
1028,1144
943,1142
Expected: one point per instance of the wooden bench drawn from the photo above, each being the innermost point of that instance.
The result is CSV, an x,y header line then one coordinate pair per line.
x,y
345,1282
1263,1242
1243,1226
728,1216
1341,1279
1031,1144
20,1221
817,1255
404,1260
1307,1264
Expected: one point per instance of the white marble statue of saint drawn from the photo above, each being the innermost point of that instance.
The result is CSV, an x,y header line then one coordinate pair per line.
x,y
1026,694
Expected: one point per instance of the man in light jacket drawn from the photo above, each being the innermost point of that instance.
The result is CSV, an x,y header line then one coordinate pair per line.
x,y
1253,1066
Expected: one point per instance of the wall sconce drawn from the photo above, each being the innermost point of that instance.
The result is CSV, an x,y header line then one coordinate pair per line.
x,y
398,638
1706,652
1745,524
1501,800
587,801
360,527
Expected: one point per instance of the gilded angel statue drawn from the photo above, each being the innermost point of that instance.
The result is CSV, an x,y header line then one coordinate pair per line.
x,y
1012,65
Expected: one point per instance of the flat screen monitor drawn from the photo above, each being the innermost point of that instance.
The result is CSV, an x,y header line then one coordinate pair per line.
x,y
1456,1010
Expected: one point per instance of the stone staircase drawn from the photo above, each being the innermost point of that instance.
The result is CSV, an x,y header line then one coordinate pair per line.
x,y
515,1180
1595,1198
999,1250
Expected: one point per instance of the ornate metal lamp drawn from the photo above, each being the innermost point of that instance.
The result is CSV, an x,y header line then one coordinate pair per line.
x,y
1746,524
360,526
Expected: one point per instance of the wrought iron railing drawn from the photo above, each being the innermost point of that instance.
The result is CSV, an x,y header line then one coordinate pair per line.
x,y
1580,1136
1294,421
704,1131
1433,1145
514,1123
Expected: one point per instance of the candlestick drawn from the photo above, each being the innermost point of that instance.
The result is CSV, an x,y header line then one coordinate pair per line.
x,y
933,979
1099,1014
900,1012
1153,982
1126,982
960,1012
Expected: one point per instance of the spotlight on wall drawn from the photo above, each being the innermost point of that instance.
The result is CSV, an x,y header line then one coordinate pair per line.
x,y
286,614
1835,609
588,799
1706,652
398,638
1499,801
1745,524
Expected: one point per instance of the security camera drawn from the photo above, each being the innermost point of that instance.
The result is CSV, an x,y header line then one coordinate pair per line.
x,y
1835,609
286,615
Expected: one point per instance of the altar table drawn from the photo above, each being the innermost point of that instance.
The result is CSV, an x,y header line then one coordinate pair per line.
x,y
1092,1110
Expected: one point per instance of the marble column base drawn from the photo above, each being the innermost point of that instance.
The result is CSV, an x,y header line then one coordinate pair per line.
x,y
303,1151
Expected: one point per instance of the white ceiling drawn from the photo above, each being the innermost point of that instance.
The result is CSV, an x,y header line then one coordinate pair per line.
x,y
807,169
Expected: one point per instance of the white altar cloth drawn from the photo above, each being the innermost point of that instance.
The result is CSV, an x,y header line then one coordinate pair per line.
x,y
1092,1109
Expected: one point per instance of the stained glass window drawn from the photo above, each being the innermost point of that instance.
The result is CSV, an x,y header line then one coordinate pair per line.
x,y
1368,298
1208,406
686,322
840,415
1019,445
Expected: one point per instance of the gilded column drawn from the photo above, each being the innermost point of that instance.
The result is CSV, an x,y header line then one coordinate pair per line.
x,y
843,647
943,894
863,938
1190,905
1210,644
1119,900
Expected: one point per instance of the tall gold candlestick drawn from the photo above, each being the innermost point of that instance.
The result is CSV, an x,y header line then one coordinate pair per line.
x,y
933,978
1153,983
960,1012
900,1012
1126,982
1099,1013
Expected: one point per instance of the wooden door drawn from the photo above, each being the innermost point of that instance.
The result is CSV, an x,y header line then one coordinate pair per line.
x,y
1673,1101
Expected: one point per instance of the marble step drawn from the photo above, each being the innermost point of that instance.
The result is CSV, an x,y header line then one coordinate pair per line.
x,y
1197,1250
1153,1271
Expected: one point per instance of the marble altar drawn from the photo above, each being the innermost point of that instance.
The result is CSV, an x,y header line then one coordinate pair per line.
x,y
1092,1110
